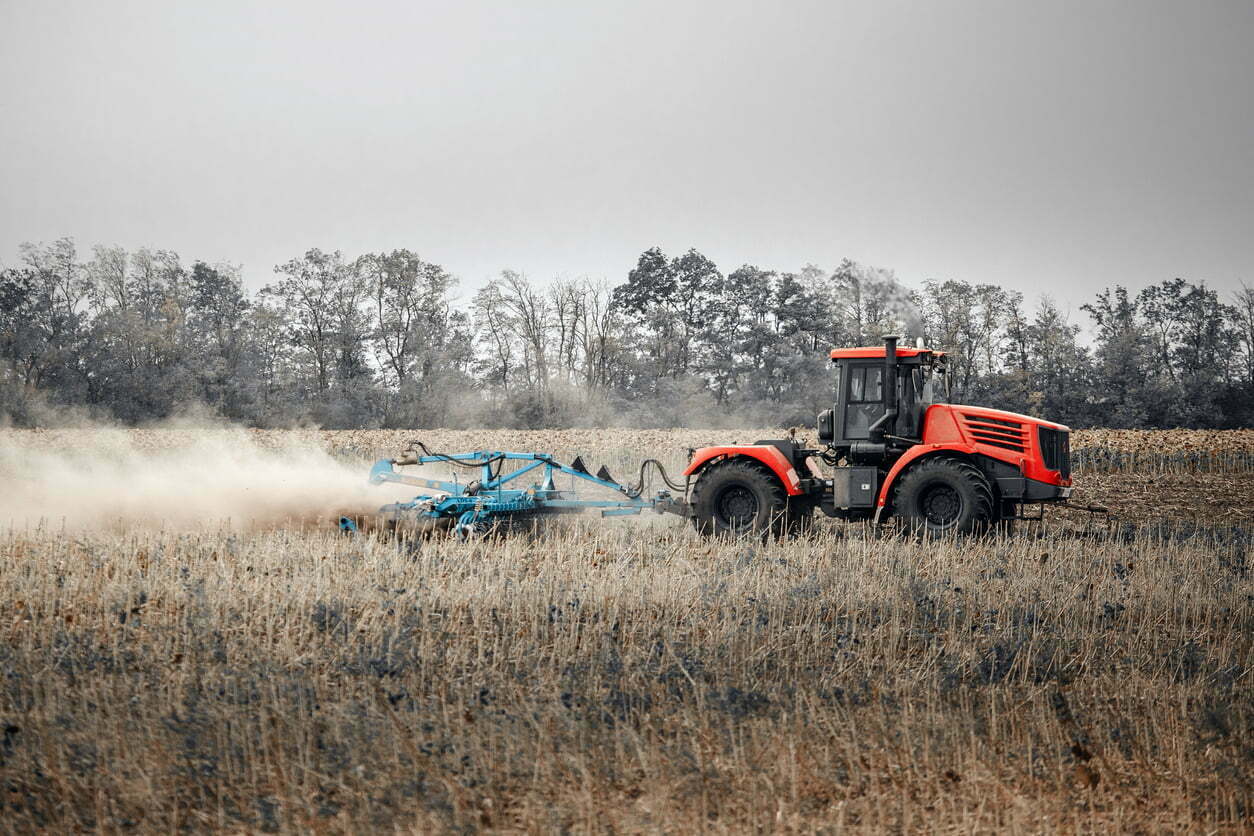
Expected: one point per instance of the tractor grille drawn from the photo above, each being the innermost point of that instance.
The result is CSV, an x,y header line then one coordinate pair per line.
x,y
996,432
1056,450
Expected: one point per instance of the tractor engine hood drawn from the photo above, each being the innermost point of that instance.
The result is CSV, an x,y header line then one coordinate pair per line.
x,y
1006,415
1040,449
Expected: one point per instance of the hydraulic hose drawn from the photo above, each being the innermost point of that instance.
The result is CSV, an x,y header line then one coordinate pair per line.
x,y
829,456
635,490
471,463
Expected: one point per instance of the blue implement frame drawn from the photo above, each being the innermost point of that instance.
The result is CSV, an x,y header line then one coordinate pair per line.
x,y
476,505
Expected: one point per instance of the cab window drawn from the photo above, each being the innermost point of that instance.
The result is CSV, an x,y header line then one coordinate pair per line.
x,y
865,400
866,384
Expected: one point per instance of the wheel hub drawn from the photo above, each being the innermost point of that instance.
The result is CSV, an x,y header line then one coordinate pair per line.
x,y
941,505
738,506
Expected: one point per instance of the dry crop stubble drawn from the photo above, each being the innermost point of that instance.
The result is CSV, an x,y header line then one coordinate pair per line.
x,y
604,680
601,677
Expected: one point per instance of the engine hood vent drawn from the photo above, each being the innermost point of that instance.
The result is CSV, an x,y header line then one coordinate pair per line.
x,y
996,432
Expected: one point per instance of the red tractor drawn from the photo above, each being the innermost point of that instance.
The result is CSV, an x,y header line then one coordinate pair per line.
x,y
899,449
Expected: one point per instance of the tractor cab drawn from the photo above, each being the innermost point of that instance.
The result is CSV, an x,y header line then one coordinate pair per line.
x,y
865,411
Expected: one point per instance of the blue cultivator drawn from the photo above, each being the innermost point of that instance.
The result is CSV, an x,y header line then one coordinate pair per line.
x,y
477,506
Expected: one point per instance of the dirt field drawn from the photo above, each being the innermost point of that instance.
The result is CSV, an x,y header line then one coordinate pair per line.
x,y
617,677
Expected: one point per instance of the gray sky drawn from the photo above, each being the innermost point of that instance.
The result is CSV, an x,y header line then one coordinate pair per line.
x,y
1049,147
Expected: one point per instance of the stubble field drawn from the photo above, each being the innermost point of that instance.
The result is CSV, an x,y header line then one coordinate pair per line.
x,y
186,646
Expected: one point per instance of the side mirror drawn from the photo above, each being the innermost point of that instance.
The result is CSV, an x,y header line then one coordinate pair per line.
x,y
826,426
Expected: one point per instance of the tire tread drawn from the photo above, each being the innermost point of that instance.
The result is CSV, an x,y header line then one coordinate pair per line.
x,y
964,471
749,470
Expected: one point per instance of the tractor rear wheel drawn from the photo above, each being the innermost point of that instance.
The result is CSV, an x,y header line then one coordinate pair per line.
x,y
739,497
943,496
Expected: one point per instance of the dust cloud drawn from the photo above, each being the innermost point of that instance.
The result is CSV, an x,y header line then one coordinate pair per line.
x,y
191,480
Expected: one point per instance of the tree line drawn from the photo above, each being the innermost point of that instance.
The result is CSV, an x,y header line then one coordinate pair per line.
x,y
382,340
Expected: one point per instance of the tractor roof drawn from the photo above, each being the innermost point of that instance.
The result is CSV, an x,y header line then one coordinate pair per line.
x,y
871,352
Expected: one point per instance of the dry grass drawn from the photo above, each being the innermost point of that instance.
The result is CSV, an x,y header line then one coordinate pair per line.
x,y
626,677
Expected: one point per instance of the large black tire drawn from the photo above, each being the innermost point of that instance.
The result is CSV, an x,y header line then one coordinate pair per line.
x,y
739,497
943,496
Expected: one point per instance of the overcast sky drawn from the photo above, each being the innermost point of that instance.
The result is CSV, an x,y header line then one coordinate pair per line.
x,y
1045,146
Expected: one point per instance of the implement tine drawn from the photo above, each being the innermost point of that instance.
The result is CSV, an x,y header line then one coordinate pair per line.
x,y
604,475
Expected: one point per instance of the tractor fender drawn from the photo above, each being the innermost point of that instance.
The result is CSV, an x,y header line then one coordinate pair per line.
x,y
914,454
765,453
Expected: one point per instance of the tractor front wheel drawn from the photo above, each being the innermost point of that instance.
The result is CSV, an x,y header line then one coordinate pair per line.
x,y
943,496
739,497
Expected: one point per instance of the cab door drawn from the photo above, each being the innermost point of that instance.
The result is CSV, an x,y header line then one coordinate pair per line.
x,y
864,399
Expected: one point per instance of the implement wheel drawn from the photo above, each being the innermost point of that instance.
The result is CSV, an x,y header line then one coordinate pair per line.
x,y
943,496
739,497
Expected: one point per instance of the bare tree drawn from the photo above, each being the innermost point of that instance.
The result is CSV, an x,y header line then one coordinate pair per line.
x,y
566,301
1244,325
409,301
308,290
494,328
599,334
532,319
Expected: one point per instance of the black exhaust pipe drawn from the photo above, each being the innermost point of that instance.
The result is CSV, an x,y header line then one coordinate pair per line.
x,y
887,424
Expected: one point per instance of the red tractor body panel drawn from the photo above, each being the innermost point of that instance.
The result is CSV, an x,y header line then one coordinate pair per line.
x,y
765,453
873,351
1006,436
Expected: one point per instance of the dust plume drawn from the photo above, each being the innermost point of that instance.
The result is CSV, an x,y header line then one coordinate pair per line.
x,y
190,479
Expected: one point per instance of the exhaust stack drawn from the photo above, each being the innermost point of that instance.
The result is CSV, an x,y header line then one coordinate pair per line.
x,y
887,424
